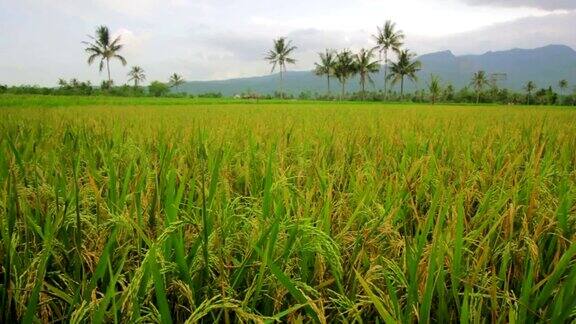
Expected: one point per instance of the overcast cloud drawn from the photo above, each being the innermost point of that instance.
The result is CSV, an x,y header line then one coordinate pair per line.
x,y
40,40
542,4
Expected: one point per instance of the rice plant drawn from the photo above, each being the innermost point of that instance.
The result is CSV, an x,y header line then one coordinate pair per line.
x,y
310,212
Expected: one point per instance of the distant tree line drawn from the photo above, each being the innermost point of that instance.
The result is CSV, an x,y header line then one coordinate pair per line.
x,y
71,88
344,64
336,65
434,92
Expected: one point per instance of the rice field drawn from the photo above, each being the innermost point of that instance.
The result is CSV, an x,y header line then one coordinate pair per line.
x,y
286,212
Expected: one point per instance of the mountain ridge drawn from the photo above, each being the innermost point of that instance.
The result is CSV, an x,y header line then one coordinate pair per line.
x,y
544,65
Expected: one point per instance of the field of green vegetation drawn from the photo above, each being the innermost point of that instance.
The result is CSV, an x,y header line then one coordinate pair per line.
x,y
213,211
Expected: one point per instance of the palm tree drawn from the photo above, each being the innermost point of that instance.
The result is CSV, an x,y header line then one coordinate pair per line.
x,y
105,84
530,87
344,68
479,81
563,85
326,66
449,92
62,83
102,48
388,38
137,75
175,80
434,87
280,56
365,65
404,67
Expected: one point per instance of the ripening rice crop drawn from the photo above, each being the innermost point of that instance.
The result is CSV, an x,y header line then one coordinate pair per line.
x,y
315,212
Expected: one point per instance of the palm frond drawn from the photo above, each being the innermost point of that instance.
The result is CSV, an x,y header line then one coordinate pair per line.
x,y
121,59
99,46
92,58
388,38
279,55
103,35
405,66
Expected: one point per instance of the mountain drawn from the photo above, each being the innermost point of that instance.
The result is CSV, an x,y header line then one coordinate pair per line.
x,y
545,66
294,82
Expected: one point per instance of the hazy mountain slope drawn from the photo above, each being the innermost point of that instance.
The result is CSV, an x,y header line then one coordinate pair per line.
x,y
545,65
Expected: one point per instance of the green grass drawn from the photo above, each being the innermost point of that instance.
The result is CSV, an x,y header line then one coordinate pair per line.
x,y
117,210
27,101
9,100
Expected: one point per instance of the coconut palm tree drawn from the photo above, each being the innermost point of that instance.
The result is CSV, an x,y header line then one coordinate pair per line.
x,y
137,75
405,67
326,66
175,80
74,83
279,56
563,85
344,68
529,87
479,81
365,65
388,38
434,87
449,92
103,48
63,84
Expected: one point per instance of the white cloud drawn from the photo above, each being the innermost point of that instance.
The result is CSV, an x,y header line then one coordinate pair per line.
x,y
133,44
541,4
527,32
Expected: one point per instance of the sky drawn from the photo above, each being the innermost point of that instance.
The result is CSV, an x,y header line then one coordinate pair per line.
x,y
41,40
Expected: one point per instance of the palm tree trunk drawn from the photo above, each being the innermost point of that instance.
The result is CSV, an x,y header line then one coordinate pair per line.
x,y
385,72
477,97
328,78
108,68
343,89
363,82
402,87
281,84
